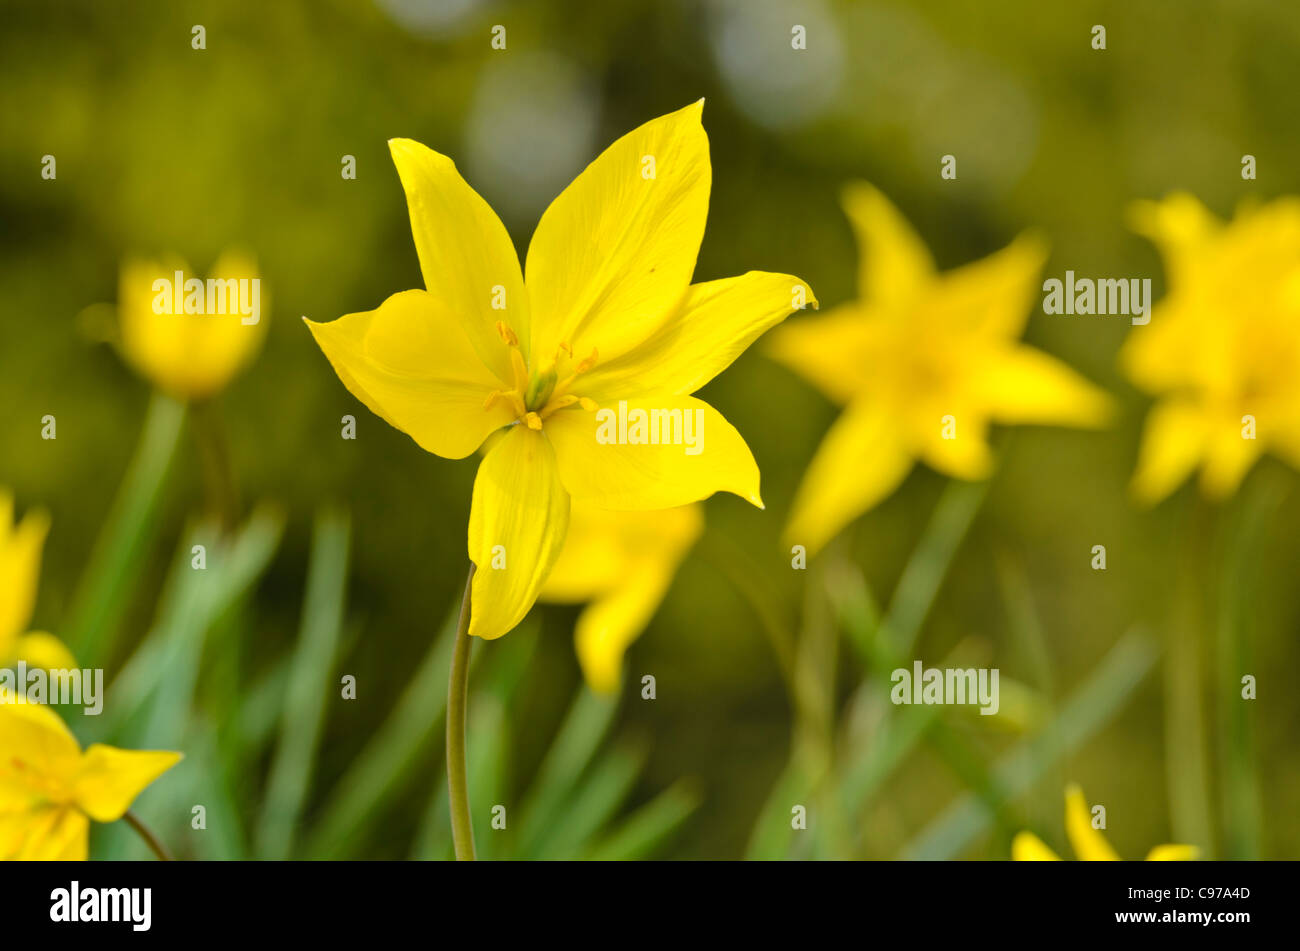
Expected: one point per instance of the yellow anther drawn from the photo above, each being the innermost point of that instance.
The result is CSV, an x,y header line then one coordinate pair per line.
x,y
492,399
507,334
586,364
533,421
588,404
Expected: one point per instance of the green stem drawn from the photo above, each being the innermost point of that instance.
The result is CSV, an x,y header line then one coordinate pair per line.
x,y
1185,726
218,472
462,831
150,839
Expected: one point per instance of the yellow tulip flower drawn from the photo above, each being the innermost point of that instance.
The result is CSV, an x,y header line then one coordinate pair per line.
x,y
50,789
20,571
188,337
603,322
1222,350
622,563
1088,843
923,362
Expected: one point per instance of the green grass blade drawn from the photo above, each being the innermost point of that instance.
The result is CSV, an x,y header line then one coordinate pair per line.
x,y
592,804
105,586
587,723
1089,709
309,686
646,830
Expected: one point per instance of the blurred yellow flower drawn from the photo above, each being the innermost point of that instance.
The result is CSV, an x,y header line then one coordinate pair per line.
x,y
186,336
622,563
20,571
922,363
603,322
1089,844
1222,351
50,789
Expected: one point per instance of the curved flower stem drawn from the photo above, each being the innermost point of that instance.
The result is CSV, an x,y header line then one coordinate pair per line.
x,y
218,472
462,832
150,839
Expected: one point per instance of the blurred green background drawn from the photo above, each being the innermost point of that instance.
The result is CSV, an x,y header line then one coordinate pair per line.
x,y
162,148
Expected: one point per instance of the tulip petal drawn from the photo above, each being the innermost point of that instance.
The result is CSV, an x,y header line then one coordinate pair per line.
x,y
1173,442
45,651
1089,845
411,363
716,323
623,562
108,780
994,296
832,351
613,255
894,263
20,569
518,519
1228,457
860,461
466,255
1174,853
603,545
700,454
1023,385
45,833
1027,847
39,750
963,455
610,624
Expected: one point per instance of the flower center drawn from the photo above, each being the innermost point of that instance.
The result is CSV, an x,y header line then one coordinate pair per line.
x,y
536,397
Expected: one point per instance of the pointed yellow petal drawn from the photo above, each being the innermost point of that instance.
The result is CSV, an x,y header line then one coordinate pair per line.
x,y
700,453
20,570
603,545
623,562
45,833
894,263
610,624
1180,226
1173,442
1228,457
1027,847
716,323
1174,853
614,253
964,456
993,296
1020,385
832,351
466,255
860,461
44,650
40,754
1089,845
412,365
108,780
517,522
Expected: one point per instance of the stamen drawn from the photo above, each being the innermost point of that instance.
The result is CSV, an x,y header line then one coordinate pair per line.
x,y
588,404
533,421
507,334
